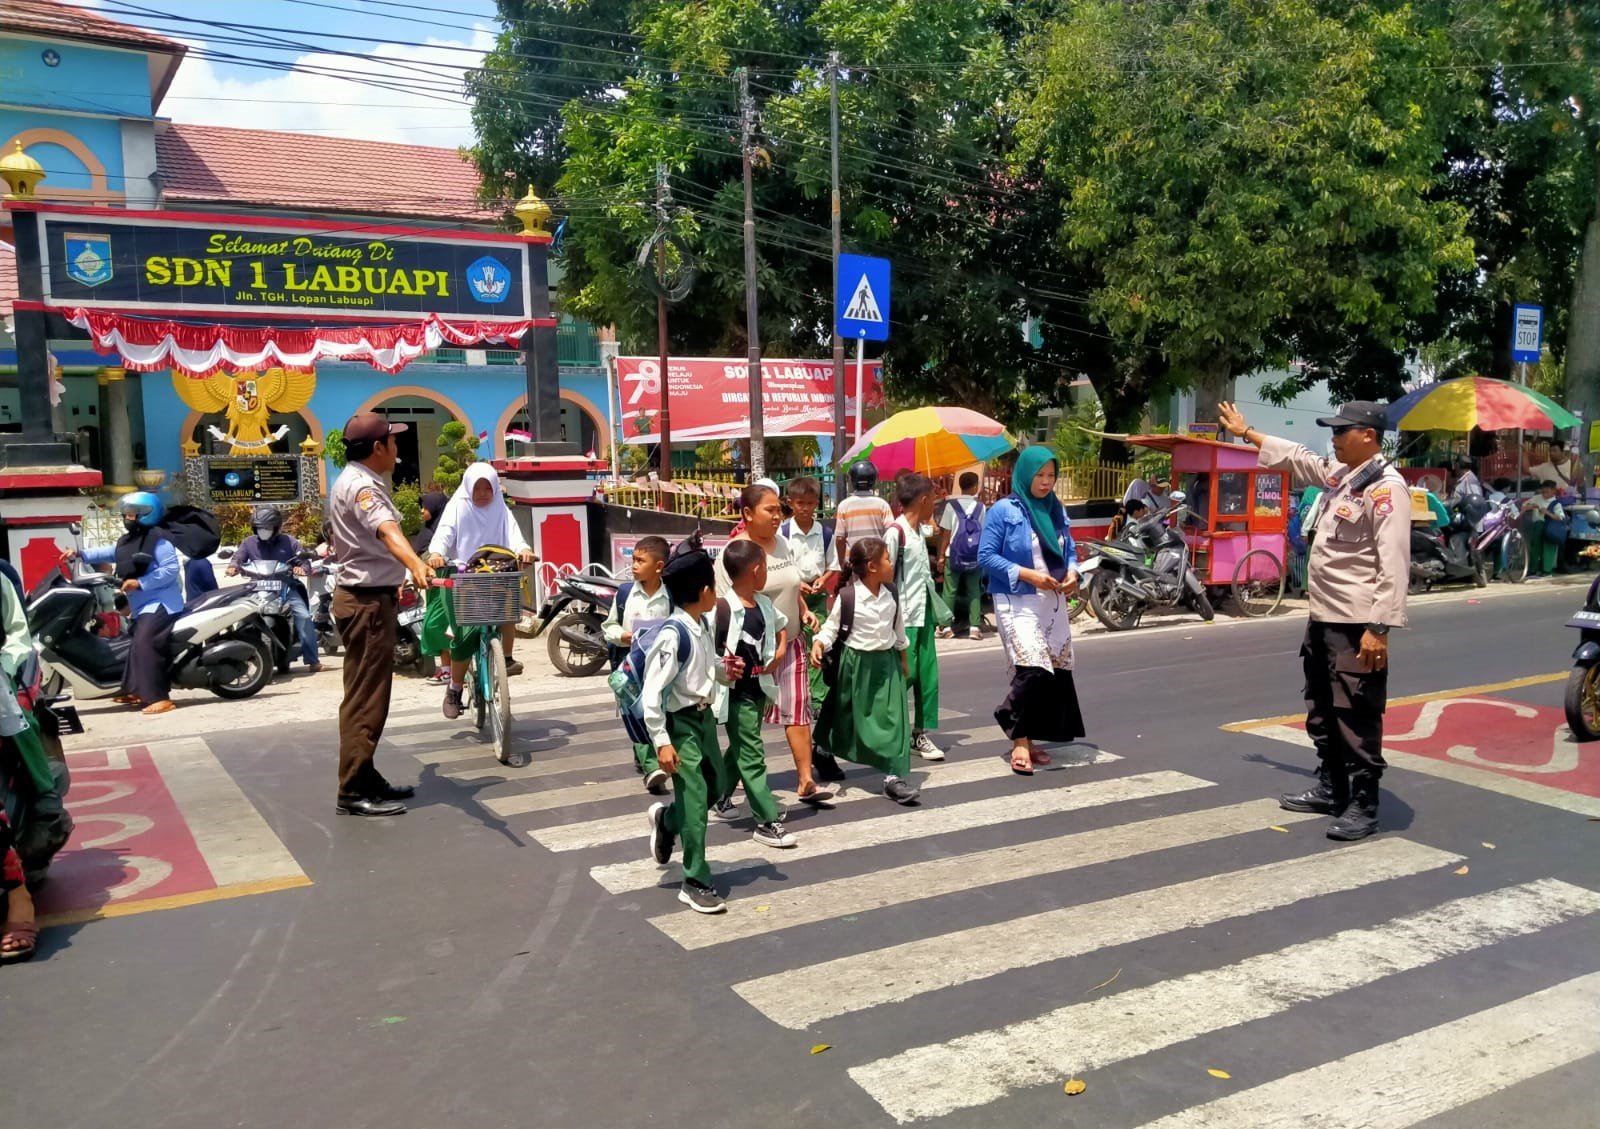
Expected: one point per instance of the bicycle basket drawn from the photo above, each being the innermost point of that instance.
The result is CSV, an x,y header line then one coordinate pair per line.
x,y
486,599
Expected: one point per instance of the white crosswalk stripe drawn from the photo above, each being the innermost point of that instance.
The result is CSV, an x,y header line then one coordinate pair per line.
x,y
898,825
977,1069
902,971
1398,1084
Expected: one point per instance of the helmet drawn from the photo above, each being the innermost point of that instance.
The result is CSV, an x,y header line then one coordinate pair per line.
x,y
266,517
144,506
863,476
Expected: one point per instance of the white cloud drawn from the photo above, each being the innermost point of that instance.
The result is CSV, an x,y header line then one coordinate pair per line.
x,y
428,109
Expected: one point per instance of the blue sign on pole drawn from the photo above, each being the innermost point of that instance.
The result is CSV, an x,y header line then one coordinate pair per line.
x,y
1527,333
863,311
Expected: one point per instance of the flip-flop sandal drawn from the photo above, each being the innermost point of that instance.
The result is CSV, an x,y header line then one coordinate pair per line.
x,y
817,797
1025,769
159,707
25,931
1040,760
126,699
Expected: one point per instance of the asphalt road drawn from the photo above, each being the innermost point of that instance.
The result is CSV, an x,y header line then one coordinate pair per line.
x,y
1143,921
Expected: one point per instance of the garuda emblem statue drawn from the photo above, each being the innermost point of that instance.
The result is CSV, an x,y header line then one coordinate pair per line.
x,y
248,399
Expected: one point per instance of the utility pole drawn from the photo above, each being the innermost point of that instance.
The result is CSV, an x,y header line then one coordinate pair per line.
x,y
758,437
664,416
838,342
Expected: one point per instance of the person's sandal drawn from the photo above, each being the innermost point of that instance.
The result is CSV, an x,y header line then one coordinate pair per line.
x,y
159,707
1021,764
126,699
1040,759
817,797
26,932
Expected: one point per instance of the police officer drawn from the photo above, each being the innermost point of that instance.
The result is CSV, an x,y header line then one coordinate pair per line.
x,y
374,557
1359,570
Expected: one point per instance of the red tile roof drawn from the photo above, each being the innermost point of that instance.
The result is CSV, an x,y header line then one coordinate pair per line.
x,y
63,21
221,165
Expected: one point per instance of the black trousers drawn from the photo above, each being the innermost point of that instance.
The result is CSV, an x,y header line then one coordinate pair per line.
x,y
1344,700
366,620
145,675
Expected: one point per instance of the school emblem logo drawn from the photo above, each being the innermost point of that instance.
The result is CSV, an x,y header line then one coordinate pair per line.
x,y
88,257
488,280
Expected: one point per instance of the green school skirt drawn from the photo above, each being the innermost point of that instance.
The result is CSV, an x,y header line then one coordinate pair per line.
x,y
864,719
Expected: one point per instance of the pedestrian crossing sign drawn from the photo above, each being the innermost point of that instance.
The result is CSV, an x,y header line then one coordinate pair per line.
x,y
863,295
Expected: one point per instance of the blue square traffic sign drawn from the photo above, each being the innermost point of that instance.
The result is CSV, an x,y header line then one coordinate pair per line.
x,y
1527,333
863,310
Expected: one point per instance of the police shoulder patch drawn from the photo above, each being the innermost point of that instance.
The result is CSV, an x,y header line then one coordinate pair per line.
x,y
1382,499
366,498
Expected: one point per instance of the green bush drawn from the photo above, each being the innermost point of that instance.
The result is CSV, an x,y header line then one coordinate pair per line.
x,y
460,451
333,447
408,500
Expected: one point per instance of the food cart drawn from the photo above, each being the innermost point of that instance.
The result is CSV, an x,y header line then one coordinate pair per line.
x,y
1239,518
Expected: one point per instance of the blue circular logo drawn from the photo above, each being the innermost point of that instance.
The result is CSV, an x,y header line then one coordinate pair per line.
x,y
232,478
489,281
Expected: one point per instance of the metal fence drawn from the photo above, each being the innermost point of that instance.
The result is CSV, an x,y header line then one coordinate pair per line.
x,y
691,497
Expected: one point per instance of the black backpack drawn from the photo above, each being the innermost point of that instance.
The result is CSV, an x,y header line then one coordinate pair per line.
x,y
844,607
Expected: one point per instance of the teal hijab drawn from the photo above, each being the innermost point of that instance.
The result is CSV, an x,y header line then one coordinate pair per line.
x,y
1041,511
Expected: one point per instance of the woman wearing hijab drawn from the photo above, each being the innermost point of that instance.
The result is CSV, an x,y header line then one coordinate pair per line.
x,y
433,504
1031,563
477,517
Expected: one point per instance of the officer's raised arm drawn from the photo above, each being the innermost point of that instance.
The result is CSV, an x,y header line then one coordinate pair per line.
x,y
1277,454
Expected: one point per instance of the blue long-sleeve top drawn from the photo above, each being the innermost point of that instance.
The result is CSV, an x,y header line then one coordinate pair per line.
x,y
158,587
1007,546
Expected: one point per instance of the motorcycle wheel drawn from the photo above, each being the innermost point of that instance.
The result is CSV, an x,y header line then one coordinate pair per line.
x,y
568,659
1111,606
1583,703
257,673
1486,568
1202,607
1516,570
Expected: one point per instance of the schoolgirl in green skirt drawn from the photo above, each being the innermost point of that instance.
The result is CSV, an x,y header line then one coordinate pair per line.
x,y
864,642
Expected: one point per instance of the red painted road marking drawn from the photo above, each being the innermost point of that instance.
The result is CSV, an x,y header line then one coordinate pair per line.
x,y
1515,739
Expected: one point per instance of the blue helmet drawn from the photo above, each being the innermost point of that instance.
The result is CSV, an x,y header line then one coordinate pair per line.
x,y
144,506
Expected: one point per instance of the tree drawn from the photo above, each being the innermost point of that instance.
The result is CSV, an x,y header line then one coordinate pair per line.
x,y
460,450
1246,183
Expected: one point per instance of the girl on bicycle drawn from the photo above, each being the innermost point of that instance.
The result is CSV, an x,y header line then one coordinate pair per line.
x,y
477,517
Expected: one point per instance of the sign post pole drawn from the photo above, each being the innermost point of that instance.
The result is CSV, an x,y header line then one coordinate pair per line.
x,y
1527,332
861,403
861,310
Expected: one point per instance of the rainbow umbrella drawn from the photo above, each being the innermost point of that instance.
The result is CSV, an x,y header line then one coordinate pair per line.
x,y
931,440
1477,401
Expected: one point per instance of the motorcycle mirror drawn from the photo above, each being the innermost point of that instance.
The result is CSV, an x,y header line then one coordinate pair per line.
x,y
1178,497
225,554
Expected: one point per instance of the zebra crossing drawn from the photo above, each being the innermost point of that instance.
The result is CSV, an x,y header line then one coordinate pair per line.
x,y
1004,856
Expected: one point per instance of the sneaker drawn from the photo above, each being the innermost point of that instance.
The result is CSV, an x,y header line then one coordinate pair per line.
x,y
725,810
452,702
900,791
923,746
774,835
944,633
655,782
438,678
513,667
825,768
660,837
701,899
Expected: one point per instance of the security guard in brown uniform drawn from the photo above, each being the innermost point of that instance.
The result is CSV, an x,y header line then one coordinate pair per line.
x,y
1359,571
374,557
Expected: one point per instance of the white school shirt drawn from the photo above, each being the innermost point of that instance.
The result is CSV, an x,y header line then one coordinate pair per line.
x,y
641,606
669,687
807,549
965,503
876,627
773,621
916,575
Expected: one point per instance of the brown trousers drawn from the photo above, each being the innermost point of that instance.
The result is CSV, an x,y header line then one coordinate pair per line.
x,y
366,620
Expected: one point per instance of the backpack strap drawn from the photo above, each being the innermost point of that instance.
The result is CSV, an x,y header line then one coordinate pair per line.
x,y
847,614
827,537
724,621
685,644
895,592
900,554
624,590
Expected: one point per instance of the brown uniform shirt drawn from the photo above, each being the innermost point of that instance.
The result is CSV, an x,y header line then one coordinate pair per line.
x,y
358,505
1361,555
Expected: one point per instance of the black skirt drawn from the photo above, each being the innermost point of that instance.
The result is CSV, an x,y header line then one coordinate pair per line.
x,y
1042,706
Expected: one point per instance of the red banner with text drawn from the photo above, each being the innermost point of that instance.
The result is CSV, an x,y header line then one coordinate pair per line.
x,y
710,397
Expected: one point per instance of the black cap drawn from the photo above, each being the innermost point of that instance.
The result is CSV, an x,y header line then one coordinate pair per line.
x,y
369,427
1359,413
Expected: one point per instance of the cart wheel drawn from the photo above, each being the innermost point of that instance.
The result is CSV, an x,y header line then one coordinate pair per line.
x,y
1258,583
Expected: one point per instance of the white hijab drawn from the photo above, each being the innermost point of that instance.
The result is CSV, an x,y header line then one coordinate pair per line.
x,y
465,527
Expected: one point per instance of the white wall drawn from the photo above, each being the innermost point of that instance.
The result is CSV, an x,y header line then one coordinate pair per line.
x,y
1296,420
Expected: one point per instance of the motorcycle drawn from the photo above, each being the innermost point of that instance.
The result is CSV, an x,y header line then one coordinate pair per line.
x,y
1147,567
269,585
410,612
219,646
37,813
1502,550
573,617
324,579
1583,684
1452,552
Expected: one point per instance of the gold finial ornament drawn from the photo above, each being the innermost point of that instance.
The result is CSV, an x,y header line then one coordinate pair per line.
x,y
21,173
533,212
308,446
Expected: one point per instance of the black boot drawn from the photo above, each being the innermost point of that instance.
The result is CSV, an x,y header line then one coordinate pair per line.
x,y
1330,796
1360,819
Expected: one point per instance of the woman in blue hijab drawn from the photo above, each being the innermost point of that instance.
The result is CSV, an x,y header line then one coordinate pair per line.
x,y
1030,562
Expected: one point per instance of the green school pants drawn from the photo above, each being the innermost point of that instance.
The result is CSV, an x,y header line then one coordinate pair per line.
x,y
924,681
963,592
746,758
699,777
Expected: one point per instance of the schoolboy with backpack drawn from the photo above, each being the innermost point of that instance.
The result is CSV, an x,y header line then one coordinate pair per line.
x,y
962,529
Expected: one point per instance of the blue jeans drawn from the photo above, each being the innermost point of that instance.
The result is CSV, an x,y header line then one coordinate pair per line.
x,y
306,629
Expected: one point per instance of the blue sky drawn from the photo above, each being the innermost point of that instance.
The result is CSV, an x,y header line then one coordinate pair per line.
x,y
417,57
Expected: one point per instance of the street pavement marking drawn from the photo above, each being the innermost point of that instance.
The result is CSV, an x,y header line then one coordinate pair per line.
x,y
1256,723
1072,1041
785,909
898,826
939,774
1399,1084
900,972
1516,787
173,901
236,843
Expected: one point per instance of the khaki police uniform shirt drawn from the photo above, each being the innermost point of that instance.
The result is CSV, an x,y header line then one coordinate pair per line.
x,y
1361,555
358,505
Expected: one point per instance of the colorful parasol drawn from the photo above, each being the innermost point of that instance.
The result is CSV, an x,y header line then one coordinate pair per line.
x,y
931,440
1477,401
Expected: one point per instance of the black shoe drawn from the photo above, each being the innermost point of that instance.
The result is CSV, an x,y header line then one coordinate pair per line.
x,y
660,837
900,791
701,899
513,668
368,805
387,791
1356,823
825,768
1318,799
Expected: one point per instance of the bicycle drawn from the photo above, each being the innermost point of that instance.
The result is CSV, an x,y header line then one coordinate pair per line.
x,y
485,601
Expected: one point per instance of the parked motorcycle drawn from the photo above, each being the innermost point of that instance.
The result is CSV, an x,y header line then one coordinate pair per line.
x,y
411,610
1583,684
1451,553
219,646
1147,567
573,616
1502,549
